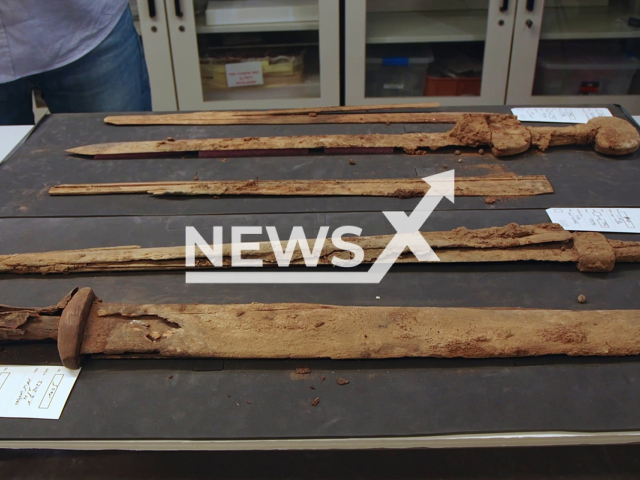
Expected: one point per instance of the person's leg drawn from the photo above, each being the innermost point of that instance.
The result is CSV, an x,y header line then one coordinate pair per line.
x,y
111,78
16,106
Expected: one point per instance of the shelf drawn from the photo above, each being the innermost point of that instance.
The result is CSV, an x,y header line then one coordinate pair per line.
x,y
450,26
421,27
586,23
202,27
310,88
263,46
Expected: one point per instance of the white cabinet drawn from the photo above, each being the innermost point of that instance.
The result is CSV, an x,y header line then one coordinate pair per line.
x,y
151,22
482,52
455,52
296,50
575,52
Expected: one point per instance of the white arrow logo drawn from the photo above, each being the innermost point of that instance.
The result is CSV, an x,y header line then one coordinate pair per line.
x,y
407,237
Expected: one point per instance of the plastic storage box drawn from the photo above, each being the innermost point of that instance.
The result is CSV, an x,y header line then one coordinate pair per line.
x,y
562,71
397,75
279,68
452,87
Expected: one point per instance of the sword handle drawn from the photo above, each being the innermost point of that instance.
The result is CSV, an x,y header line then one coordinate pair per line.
x,y
608,135
64,322
626,252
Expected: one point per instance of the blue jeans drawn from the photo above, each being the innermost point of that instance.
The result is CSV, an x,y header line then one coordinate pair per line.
x,y
111,78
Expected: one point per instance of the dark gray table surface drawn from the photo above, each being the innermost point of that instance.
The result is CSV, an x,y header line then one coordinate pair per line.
x,y
208,399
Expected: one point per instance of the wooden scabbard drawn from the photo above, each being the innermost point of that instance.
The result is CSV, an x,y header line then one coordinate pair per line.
x,y
497,186
319,115
542,242
210,118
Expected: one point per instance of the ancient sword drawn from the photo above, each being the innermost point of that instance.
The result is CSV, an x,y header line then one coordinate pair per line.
x,y
547,242
504,134
83,325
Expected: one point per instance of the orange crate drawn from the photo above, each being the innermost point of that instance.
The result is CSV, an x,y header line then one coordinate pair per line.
x,y
451,87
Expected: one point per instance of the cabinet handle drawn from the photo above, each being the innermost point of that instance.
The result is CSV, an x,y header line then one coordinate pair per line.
x,y
178,8
530,5
529,23
152,8
505,6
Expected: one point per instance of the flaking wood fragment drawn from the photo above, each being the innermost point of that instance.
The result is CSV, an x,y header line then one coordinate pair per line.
x,y
513,242
210,118
503,133
349,332
317,115
502,186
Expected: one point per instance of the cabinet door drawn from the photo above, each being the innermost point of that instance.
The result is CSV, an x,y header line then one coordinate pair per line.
x,y
151,22
251,54
455,52
576,52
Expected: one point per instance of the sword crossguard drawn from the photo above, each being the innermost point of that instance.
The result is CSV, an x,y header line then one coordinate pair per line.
x,y
71,327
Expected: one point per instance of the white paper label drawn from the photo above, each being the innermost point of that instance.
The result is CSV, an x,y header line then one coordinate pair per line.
x,y
10,137
35,391
619,220
559,115
244,74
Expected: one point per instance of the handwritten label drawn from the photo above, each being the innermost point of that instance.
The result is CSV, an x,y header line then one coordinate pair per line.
x,y
35,391
559,115
618,220
244,74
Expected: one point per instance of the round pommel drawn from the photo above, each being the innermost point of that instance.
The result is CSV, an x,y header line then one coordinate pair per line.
x,y
614,136
71,327
594,251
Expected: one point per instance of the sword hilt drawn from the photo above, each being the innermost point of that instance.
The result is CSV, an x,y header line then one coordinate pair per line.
x,y
64,322
608,135
626,251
